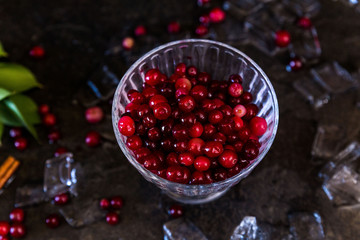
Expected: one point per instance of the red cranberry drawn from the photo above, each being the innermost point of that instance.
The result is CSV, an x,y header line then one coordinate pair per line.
x,y
180,69
180,132
162,111
214,163
152,162
195,146
167,126
304,23
150,144
131,108
154,134
167,144
186,158
173,27
126,126
156,100
49,120
37,52
250,151
128,43
238,123
116,202
229,147
188,119
198,92
20,143
221,96
218,103
140,129
204,78
54,135
209,131
92,139
15,132
192,71
295,64
235,78
172,159
167,90
183,83
44,109
234,170
204,20
232,138
201,30
219,137
142,110
17,230
4,237
153,77
220,174
235,89
140,31
200,116
251,111
186,103
197,177
180,146
52,221
255,142
234,101
112,218
149,93
175,113
94,114
149,120
228,159
59,151
202,163
176,211
238,146
181,92
226,126
258,126
135,96
223,86
196,130
104,203
208,177
4,228
178,174
226,110
246,98
282,38
203,2
244,134
61,199
239,110
141,153
217,15
134,142
213,149
208,105
215,116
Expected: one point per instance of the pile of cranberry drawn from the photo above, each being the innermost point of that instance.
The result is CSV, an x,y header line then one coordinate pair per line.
x,y
191,129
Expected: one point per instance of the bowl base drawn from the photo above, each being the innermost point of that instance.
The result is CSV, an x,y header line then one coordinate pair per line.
x,y
192,200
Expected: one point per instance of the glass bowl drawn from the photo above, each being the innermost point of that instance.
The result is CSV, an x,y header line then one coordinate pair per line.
x,y
220,60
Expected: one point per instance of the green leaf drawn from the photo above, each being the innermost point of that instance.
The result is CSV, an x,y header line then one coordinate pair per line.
x,y
25,110
2,51
1,131
14,77
4,93
7,117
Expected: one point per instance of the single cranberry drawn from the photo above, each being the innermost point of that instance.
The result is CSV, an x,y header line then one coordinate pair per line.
x,y
226,110
116,202
235,78
141,153
244,134
282,38
239,110
126,126
140,31
304,23
201,116
174,77
209,131
149,93
186,158
176,211
173,27
188,119
295,64
228,159
104,203
235,89
221,96
195,146
255,142
201,30
180,132
4,238
154,134
238,146
142,110
135,97
217,15
153,77
167,90
162,111
202,163
218,103
167,126
220,174
183,83
215,116
192,71
134,142
172,159
226,126
213,149
17,230
37,52
167,144
186,104
219,137
238,123
112,218
128,43
208,105
251,111
149,120
180,146
229,147
250,151
15,132
152,162
44,109
246,98
4,228
140,129
198,177
156,100
20,143
180,69
61,199
59,151
199,92
150,144
232,138
204,78
92,139
204,20
49,120
178,174
132,109
196,130
258,126
181,92
234,170
54,135
94,114
52,221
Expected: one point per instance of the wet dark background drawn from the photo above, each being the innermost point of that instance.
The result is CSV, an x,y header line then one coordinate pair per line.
x,y
76,36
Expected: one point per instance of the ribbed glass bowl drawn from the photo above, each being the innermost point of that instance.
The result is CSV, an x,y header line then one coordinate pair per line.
x,y
220,60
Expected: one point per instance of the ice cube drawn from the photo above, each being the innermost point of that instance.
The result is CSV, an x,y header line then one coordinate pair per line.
x,y
329,140
29,194
82,211
351,3
316,94
60,174
333,77
303,7
250,229
182,229
306,226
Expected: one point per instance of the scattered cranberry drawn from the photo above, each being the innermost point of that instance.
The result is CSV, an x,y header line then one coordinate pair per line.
x,y
176,211
4,228
304,23
20,143
15,132
128,43
126,126
203,2
17,215
92,139
201,30
59,151
52,221
94,114
61,199
204,19
140,31
17,230
173,27
258,126
116,202
217,15
49,120
37,52
295,64
44,109
54,135
112,218
282,38
104,203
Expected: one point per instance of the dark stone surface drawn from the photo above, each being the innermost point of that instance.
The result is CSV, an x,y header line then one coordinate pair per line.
x,y
76,34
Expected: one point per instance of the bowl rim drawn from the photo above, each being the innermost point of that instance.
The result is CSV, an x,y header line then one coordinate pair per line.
x,y
243,172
